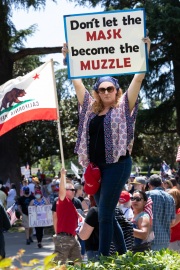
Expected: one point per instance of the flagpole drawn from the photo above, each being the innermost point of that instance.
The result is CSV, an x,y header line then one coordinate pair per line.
x,y
58,118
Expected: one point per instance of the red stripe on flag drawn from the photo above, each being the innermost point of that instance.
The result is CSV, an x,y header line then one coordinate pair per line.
x,y
36,114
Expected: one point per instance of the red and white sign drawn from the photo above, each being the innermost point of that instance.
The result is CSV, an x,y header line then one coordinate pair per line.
x,y
106,43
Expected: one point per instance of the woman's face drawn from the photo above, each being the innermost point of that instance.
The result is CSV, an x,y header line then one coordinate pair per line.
x,y
138,203
107,97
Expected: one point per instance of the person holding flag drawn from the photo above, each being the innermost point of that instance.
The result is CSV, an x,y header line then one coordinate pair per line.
x,y
105,138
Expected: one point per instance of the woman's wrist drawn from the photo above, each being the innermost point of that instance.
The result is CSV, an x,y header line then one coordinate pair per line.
x,y
65,61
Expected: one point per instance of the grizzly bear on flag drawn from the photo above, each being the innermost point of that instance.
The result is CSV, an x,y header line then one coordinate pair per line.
x,y
12,97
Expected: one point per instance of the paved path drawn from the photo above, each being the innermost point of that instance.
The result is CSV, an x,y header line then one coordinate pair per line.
x,y
15,241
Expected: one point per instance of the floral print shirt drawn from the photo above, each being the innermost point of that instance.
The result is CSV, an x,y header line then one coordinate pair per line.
x,y
118,129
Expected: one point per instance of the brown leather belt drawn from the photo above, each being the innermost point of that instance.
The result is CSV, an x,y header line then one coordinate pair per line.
x,y
67,234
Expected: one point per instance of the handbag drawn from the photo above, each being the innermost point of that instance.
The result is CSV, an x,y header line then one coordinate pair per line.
x,y
92,177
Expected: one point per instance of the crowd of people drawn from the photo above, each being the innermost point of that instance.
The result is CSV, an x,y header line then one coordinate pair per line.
x,y
126,212
148,212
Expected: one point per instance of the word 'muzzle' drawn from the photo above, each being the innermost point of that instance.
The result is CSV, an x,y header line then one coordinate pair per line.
x,y
105,64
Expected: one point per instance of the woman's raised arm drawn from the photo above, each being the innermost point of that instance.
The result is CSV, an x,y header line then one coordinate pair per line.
x,y
135,85
78,84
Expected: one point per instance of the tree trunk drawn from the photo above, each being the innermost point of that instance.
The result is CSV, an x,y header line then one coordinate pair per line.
x,y
9,158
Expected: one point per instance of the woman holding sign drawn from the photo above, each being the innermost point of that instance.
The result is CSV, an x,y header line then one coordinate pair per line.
x,y
105,138
39,200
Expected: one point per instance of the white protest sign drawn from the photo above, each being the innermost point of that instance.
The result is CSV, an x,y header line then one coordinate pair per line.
x,y
40,216
25,171
106,43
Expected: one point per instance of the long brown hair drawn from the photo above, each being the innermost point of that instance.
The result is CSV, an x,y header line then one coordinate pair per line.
x,y
175,193
98,105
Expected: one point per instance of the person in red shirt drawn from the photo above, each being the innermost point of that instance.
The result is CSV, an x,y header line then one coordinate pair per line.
x,y
65,220
175,228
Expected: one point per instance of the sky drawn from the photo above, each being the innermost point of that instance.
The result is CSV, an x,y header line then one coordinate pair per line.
x,y
50,24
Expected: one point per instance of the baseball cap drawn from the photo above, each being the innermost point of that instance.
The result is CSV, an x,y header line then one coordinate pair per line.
x,y
77,186
124,197
53,183
139,180
132,175
25,188
92,178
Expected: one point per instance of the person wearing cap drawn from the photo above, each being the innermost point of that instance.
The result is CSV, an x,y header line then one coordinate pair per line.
x,y
54,191
139,183
38,201
65,221
23,203
105,138
125,204
163,209
31,184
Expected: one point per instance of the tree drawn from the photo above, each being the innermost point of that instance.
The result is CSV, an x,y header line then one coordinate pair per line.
x,y
161,88
11,50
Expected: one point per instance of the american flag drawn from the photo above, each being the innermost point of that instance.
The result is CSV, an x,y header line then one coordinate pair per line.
x,y
178,155
148,207
11,213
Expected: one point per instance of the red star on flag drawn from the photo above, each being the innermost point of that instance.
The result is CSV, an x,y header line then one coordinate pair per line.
x,y
36,76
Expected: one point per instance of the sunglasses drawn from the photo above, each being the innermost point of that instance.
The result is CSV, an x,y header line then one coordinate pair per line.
x,y
102,90
72,189
137,199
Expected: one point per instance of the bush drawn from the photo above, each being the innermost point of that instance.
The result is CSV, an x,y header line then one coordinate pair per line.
x,y
159,260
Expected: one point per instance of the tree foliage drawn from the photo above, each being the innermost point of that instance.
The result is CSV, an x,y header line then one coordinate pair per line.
x,y
161,88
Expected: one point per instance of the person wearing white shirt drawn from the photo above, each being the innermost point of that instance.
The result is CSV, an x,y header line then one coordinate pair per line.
x,y
11,195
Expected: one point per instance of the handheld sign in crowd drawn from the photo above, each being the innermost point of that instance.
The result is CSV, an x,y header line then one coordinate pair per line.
x,y
106,43
40,216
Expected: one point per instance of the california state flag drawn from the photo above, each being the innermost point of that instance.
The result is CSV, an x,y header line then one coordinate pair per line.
x,y
31,97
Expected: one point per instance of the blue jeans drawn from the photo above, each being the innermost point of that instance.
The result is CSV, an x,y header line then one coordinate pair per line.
x,y
113,179
157,247
92,255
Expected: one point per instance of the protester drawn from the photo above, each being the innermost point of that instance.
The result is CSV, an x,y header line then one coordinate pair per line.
x,y
11,198
89,232
175,228
163,212
65,218
167,185
105,138
24,184
31,184
4,225
38,201
139,183
128,186
79,194
54,191
23,203
125,204
142,222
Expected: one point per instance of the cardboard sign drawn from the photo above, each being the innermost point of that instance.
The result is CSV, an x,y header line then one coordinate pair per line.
x,y
40,216
106,43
